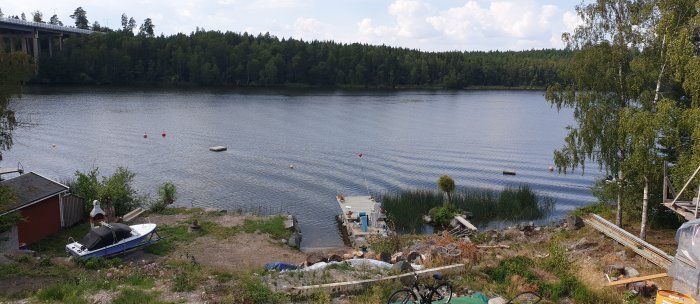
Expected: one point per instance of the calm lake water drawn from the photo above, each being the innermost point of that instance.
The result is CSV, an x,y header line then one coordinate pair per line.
x,y
408,139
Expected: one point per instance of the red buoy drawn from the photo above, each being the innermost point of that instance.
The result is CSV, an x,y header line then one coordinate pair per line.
x,y
162,134
145,135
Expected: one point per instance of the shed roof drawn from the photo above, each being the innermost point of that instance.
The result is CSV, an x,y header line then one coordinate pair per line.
x,y
30,188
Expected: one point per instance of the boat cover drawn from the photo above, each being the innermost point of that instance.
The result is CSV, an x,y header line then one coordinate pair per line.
x,y
105,235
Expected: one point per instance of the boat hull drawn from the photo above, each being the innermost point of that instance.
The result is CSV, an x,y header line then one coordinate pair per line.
x,y
142,232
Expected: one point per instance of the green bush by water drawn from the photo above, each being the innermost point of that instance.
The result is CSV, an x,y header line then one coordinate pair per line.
x,y
407,208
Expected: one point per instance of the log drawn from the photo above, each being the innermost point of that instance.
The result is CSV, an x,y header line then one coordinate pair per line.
x,y
492,246
637,279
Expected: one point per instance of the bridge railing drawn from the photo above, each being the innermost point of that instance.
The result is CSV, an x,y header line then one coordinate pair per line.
x,y
46,26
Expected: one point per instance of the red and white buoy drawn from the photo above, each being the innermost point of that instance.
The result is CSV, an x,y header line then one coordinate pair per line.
x,y
162,134
145,135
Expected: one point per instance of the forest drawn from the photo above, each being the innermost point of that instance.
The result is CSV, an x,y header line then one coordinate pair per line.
x,y
213,58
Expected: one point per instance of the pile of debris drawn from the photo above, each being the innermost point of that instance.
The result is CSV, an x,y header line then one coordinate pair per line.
x,y
616,272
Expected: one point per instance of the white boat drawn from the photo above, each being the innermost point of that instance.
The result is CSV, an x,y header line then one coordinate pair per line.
x,y
111,239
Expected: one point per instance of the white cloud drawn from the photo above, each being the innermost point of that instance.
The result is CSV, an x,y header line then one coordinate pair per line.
x,y
276,4
504,24
312,28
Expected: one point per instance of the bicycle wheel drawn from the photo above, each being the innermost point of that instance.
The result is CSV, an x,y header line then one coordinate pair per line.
x,y
441,294
402,296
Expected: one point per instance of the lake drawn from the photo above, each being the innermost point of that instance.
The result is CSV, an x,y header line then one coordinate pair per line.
x,y
408,139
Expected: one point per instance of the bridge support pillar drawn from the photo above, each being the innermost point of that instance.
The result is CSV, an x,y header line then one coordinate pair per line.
x,y
24,44
36,46
50,46
12,44
60,42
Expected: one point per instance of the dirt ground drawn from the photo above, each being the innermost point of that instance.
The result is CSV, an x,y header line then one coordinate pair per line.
x,y
241,252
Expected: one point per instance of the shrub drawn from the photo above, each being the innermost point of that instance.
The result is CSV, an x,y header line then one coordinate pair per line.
x,y
444,214
167,194
115,190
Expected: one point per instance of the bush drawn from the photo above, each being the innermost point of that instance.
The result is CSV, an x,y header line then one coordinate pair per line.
x,y
167,194
444,214
116,190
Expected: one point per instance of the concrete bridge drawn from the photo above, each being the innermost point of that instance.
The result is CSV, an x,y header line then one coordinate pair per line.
x,y
30,37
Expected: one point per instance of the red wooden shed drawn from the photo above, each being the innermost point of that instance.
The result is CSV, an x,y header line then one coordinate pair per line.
x,y
40,202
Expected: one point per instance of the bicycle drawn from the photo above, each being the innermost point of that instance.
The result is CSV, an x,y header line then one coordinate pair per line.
x,y
438,292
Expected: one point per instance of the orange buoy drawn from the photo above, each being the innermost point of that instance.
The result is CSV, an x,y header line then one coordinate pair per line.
x,y
551,168
145,135
162,134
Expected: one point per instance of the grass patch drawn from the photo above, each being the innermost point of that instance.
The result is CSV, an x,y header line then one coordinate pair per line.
x,y
252,290
139,281
135,296
407,208
188,276
519,271
62,293
273,226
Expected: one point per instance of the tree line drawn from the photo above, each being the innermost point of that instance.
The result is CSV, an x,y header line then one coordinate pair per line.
x,y
214,58
235,59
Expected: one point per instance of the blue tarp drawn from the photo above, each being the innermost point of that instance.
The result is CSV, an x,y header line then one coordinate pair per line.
x,y
280,266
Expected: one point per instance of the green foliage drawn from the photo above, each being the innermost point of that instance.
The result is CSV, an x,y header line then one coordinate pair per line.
x,y
167,194
444,214
15,69
407,208
240,59
187,277
115,190
566,286
62,293
174,234
273,226
135,296
447,185
252,290
80,17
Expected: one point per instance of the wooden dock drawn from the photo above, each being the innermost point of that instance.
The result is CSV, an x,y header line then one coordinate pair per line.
x,y
352,207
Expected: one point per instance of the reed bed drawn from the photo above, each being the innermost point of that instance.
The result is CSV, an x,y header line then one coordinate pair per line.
x,y
406,208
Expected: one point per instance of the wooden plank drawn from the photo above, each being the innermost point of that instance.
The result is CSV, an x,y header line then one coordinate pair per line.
x,y
465,222
133,214
637,279
343,287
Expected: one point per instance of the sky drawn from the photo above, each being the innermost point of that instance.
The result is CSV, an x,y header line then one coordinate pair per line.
x,y
437,25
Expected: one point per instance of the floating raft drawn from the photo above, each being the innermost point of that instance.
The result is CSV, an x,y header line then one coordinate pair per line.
x,y
508,172
218,148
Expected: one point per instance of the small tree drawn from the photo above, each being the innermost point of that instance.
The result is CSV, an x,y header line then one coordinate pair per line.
x,y
38,16
447,185
55,21
80,17
146,28
167,194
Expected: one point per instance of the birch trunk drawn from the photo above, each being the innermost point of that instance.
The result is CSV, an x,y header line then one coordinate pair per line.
x,y
645,208
618,214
